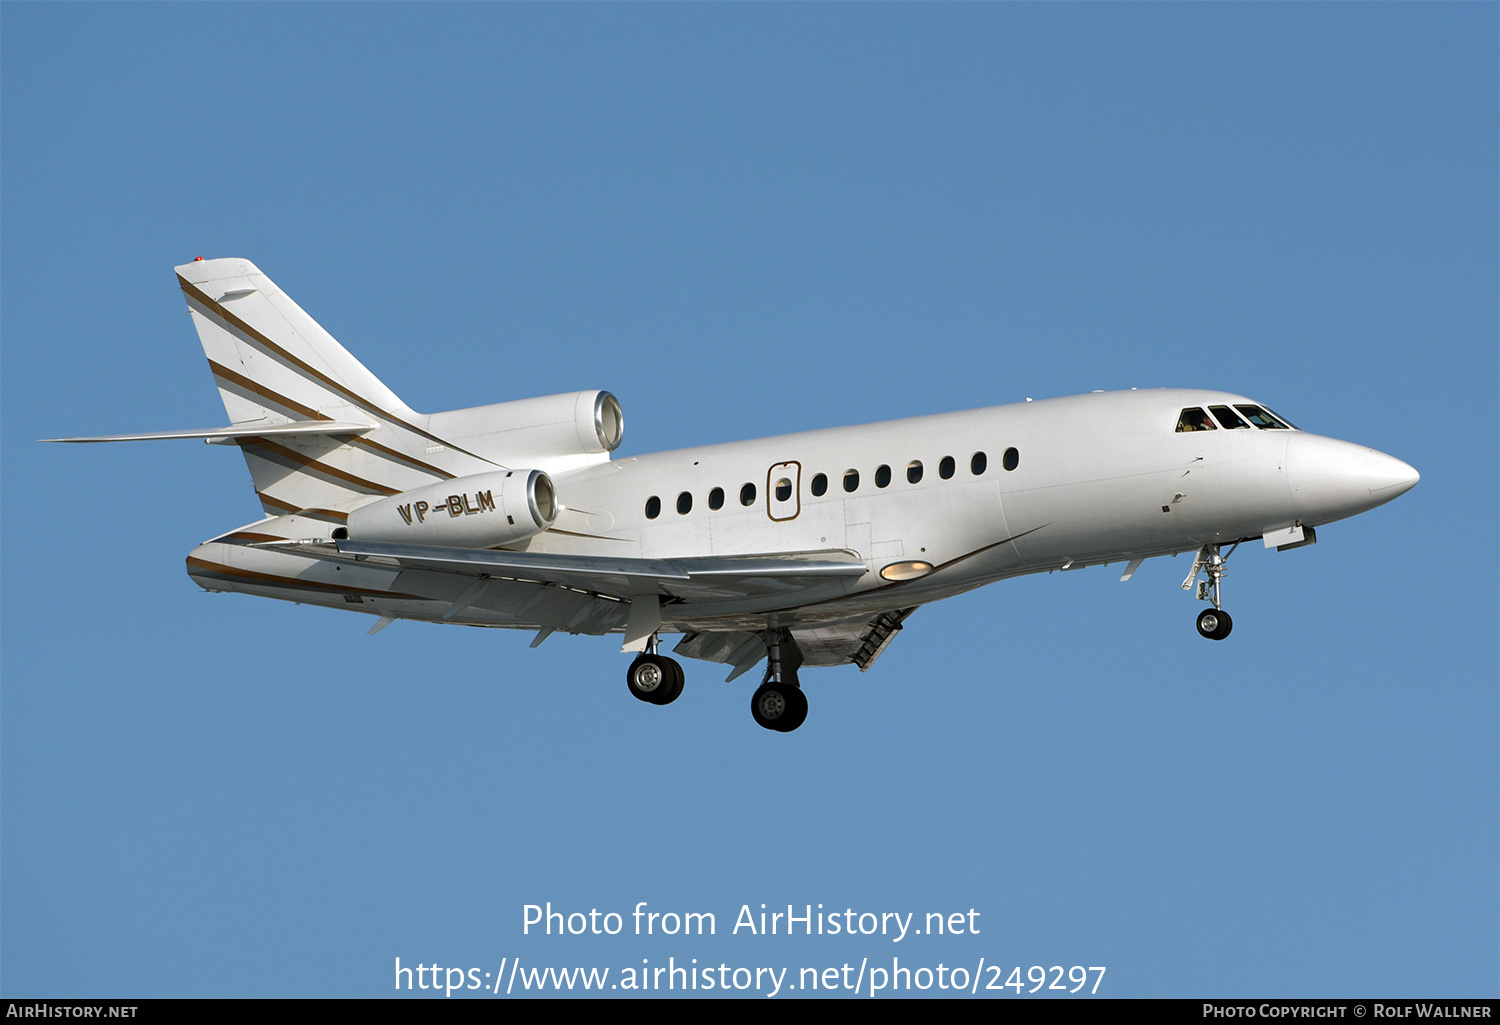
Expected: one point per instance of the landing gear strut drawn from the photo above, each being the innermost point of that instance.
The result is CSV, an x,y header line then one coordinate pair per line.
x,y
778,703
1213,623
655,678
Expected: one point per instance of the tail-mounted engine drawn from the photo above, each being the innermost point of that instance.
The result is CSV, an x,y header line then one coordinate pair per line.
x,y
478,511
558,432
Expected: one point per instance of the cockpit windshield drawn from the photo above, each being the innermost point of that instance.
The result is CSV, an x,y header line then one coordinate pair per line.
x,y
1227,419
1263,418
1195,418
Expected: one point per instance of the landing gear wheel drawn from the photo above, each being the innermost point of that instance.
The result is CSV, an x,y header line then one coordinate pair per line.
x,y
655,679
779,706
1214,624
675,684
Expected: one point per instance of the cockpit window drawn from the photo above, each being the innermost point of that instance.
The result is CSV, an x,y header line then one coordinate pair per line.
x,y
1264,418
1227,419
1194,420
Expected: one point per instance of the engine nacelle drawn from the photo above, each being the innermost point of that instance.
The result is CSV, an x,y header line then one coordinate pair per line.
x,y
559,432
478,511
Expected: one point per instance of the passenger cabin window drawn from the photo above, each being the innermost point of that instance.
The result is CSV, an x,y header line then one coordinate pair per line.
x,y
1227,419
851,480
783,490
747,495
820,484
684,503
882,476
653,507
1194,420
1011,459
978,464
914,471
945,468
716,498
1264,418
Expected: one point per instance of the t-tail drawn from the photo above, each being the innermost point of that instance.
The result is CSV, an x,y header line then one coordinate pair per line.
x,y
322,435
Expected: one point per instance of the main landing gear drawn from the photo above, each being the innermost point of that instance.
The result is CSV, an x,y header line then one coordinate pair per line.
x,y
655,678
778,703
1213,623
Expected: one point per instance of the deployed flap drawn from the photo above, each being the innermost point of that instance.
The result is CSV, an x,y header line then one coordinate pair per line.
x,y
857,641
705,577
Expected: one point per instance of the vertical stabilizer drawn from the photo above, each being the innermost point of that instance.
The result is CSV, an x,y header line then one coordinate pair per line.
x,y
274,364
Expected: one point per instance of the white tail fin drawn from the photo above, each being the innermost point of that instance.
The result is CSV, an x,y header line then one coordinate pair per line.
x,y
275,365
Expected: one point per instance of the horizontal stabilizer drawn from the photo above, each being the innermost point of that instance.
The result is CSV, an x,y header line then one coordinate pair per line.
x,y
250,430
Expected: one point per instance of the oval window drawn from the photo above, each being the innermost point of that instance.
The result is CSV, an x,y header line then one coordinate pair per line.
x,y
684,503
747,495
716,498
820,484
783,490
946,467
882,476
653,507
914,471
851,480
1011,459
978,463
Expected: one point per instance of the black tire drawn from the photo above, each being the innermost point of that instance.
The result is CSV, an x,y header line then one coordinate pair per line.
x,y
1214,624
651,676
673,690
798,713
778,706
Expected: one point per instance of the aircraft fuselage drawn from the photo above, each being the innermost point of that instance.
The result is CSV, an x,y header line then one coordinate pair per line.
x,y
1061,484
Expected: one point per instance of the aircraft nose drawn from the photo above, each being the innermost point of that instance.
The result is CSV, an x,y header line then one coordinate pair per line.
x,y
1387,473
1333,479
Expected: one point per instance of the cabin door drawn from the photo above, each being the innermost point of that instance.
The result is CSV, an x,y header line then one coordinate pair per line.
x,y
784,491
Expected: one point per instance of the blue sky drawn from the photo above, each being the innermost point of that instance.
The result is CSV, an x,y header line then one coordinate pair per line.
x,y
746,220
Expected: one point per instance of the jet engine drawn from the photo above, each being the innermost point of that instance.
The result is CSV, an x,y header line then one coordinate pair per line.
x,y
478,511
556,432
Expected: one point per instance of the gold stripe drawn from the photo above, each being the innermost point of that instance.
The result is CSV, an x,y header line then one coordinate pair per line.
x,y
312,464
274,505
312,414
325,514
193,292
287,509
311,585
255,388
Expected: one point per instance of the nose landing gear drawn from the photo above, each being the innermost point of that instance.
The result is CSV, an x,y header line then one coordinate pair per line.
x,y
1213,623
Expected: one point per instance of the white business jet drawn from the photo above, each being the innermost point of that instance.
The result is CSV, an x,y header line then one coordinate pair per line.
x,y
804,550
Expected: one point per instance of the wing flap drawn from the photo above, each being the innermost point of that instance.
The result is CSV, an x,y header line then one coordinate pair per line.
x,y
692,579
858,641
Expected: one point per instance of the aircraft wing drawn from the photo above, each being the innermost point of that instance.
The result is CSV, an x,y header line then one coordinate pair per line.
x,y
698,579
